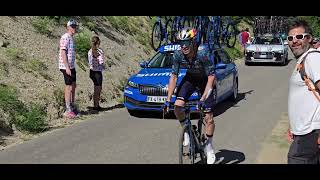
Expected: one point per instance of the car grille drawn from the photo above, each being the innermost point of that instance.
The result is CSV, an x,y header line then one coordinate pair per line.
x,y
142,104
153,91
269,55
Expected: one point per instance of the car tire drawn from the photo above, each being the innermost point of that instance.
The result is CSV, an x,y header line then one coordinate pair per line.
x,y
284,62
134,113
247,63
235,90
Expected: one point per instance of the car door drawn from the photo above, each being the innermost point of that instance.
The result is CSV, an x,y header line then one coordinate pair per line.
x,y
228,72
220,76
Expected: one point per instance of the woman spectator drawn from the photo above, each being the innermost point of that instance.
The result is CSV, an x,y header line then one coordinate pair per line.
x,y
96,64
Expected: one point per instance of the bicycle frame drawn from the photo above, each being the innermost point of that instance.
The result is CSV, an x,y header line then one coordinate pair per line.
x,y
194,131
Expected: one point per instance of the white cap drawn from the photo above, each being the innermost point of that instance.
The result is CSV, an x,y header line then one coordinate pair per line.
x,y
72,22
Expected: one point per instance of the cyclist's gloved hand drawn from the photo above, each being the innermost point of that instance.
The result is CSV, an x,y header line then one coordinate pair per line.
x,y
201,105
166,106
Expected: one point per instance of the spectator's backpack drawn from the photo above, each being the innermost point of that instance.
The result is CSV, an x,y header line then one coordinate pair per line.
x,y
311,85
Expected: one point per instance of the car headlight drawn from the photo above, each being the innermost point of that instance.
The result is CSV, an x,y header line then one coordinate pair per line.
x,y
280,51
132,84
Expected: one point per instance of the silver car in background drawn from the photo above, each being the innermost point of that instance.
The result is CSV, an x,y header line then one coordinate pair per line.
x,y
267,48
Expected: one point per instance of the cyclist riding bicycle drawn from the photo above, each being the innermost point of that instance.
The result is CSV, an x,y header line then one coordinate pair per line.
x,y
200,74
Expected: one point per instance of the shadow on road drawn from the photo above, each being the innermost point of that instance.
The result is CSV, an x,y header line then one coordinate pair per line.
x,y
4,133
225,105
220,108
90,109
225,156
152,115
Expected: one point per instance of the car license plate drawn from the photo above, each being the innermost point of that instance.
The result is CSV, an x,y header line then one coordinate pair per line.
x,y
263,56
157,99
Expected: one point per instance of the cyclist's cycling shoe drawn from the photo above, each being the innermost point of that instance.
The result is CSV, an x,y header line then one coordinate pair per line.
x,y
186,139
211,157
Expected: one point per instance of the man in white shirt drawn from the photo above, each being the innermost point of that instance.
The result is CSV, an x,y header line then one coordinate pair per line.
x,y
67,57
316,43
303,105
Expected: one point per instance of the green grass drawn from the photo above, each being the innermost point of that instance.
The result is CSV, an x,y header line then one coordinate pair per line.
x,y
44,24
82,41
4,68
122,83
132,26
235,52
36,66
58,95
117,57
14,53
31,119
120,100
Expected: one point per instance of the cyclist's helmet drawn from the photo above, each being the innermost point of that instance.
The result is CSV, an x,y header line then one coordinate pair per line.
x,y
186,34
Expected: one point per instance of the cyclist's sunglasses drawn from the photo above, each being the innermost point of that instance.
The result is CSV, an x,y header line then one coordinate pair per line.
x,y
186,43
299,37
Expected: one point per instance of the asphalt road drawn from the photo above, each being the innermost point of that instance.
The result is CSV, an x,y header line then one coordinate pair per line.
x,y
117,137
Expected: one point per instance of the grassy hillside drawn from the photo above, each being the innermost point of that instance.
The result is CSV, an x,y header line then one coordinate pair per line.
x,y
31,85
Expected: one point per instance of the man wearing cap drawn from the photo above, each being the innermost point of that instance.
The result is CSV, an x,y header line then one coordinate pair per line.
x,y
67,57
316,43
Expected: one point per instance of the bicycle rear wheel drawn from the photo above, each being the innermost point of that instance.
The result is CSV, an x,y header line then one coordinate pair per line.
x,y
186,153
169,37
156,36
186,22
231,36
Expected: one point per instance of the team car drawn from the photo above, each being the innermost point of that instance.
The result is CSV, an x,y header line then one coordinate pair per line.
x,y
267,48
147,90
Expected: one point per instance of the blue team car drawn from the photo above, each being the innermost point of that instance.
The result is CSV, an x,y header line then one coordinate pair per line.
x,y
147,90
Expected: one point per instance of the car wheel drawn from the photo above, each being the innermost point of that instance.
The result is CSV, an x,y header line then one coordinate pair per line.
x,y
247,63
234,95
134,112
284,62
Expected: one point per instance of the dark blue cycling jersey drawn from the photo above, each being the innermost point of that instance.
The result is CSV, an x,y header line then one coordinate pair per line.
x,y
200,67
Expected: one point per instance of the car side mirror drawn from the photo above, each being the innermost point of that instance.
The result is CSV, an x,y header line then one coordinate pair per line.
x,y
143,64
221,66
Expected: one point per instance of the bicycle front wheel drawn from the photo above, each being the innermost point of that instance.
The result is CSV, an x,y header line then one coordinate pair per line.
x,y
186,153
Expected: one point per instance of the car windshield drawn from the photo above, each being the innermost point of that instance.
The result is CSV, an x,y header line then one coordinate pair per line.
x,y
164,60
161,60
267,41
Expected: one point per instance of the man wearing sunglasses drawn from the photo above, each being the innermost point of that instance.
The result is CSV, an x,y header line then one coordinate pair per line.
x,y
303,106
316,43
200,74
67,57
